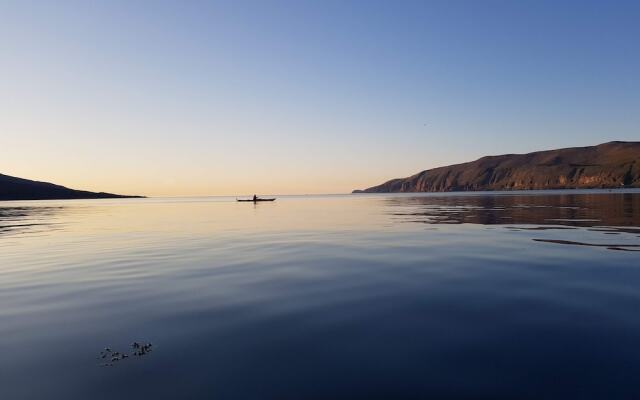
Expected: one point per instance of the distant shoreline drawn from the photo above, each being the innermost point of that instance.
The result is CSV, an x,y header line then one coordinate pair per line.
x,y
74,198
610,165
599,189
18,189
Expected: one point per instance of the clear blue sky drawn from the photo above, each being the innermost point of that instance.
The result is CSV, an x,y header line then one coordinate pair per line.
x,y
196,97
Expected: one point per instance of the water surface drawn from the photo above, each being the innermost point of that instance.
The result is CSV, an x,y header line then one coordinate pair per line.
x,y
483,295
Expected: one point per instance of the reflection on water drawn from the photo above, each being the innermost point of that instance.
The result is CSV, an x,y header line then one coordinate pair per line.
x,y
601,209
608,213
19,219
322,297
621,247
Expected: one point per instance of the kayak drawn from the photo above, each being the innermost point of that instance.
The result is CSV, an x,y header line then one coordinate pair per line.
x,y
255,201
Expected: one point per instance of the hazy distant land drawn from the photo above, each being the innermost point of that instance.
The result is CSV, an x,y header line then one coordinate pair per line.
x,y
609,165
12,188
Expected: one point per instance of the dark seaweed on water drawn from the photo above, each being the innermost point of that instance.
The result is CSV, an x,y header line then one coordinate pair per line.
x,y
110,357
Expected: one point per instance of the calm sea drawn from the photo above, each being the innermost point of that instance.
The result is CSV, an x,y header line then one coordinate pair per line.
x,y
473,296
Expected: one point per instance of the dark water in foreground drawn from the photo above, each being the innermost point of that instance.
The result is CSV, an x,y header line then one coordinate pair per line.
x,y
482,296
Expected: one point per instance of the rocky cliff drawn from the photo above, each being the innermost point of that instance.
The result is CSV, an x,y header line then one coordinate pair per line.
x,y
609,165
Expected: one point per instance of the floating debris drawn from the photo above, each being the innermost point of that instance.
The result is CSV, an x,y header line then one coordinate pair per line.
x,y
139,350
142,349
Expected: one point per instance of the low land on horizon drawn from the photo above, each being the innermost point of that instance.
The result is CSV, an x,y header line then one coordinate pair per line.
x,y
607,166
12,188
610,165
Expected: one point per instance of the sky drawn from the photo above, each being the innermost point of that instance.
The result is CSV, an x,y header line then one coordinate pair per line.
x,y
177,98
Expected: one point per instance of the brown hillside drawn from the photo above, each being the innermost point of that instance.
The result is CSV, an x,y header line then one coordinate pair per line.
x,y
609,165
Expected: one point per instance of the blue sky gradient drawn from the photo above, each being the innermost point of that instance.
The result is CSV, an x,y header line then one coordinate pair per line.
x,y
195,98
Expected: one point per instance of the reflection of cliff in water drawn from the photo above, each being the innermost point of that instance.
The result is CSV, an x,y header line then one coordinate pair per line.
x,y
27,219
580,209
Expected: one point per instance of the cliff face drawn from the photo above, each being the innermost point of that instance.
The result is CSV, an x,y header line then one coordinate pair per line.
x,y
12,188
609,165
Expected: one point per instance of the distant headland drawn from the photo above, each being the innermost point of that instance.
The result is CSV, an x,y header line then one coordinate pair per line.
x,y
12,188
609,165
